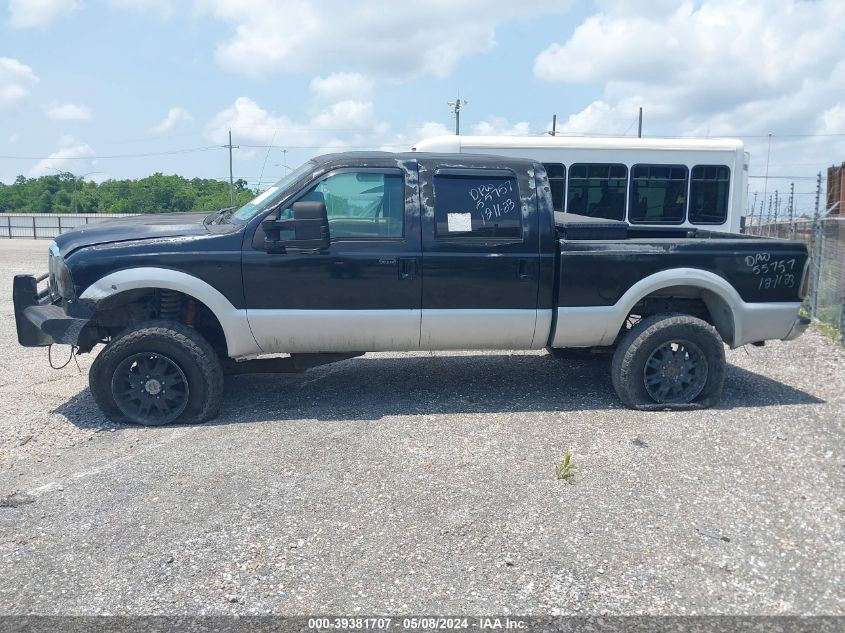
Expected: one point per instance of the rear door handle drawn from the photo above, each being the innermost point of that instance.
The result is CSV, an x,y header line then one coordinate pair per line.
x,y
527,268
407,267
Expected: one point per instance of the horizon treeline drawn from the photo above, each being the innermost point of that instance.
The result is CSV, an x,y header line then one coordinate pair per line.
x,y
65,193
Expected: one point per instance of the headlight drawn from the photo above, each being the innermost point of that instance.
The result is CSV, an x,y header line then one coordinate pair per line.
x,y
61,283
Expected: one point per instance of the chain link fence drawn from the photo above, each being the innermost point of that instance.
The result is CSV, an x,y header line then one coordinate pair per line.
x,y
825,238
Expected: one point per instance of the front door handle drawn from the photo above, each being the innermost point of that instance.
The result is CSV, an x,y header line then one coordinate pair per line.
x,y
527,268
407,267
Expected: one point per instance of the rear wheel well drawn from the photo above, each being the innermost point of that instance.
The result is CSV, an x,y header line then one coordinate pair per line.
x,y
115,313
691,300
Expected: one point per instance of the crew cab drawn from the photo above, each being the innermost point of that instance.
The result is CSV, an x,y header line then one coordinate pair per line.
x,y
374,251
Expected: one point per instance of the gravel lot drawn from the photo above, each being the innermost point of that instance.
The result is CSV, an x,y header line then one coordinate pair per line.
x,y
424,483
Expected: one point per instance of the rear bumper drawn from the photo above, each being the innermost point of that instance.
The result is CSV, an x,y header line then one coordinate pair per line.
x,y
798,328
40,322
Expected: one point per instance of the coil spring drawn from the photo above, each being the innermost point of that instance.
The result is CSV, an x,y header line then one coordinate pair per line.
x,y
169,304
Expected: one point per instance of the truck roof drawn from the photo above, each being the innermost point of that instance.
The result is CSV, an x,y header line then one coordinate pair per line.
x,y
475,159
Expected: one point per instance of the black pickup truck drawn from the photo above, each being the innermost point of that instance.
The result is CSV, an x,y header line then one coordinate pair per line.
x,y
360,252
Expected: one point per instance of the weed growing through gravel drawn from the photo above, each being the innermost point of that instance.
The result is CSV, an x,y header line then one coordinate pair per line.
x,y
566,469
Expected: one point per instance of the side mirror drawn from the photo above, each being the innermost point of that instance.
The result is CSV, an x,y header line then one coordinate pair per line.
x,y
310,225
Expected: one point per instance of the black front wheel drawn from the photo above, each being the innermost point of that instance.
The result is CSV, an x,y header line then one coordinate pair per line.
x,y
669,361
156,373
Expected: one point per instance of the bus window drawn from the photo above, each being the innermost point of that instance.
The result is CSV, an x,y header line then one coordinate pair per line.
x,y
557,183
597,190
658,194
709,191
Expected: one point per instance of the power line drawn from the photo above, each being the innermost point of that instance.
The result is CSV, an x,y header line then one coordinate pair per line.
x,y
786,177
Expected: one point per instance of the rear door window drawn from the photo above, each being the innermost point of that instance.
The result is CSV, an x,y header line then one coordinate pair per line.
x,y
477,206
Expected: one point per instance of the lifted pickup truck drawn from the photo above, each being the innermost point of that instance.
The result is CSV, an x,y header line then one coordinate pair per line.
x,y
374,251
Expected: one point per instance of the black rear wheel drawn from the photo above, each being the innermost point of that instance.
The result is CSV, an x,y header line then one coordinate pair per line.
x,y
669,361
156,373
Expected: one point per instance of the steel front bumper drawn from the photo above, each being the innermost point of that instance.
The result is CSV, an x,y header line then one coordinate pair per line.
x,y
40,322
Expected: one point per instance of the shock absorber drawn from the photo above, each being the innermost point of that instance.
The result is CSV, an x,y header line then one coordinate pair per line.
x,y
169,304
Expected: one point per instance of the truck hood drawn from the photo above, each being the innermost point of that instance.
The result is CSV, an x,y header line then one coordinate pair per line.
x,y
142,227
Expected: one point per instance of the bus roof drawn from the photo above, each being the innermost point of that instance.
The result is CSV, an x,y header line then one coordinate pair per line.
x,y
451,143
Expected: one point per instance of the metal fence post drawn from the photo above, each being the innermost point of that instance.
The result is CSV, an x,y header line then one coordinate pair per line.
x,y
816,251
842,320
9,225
60,225
792,210
34,234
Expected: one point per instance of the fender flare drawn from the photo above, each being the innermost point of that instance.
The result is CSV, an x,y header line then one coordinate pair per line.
x,y
239,338
727,322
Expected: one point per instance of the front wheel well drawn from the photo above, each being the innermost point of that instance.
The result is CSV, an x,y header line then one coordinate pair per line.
x,y
690,300
117,312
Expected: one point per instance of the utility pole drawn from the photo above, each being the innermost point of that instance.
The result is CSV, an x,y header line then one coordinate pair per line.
x,y
231,179
554,125
640,124
456,112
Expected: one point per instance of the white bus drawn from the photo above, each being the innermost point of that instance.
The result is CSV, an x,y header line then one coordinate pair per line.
x,y
644,181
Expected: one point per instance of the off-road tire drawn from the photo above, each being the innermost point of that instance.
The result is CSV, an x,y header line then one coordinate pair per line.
x,y
181,344
641,341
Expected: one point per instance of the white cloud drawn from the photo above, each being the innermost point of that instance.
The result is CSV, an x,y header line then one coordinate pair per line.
x,y
15,81
499,126
713,68
430,129
69,112
13,138
338,86
68,158
345,115
26,14
174,115
250,123
700,60
425,37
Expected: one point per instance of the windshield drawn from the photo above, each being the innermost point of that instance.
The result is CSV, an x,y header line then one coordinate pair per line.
x,y
267,198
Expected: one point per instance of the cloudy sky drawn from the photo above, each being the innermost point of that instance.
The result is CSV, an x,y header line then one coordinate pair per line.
x,y
125,88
